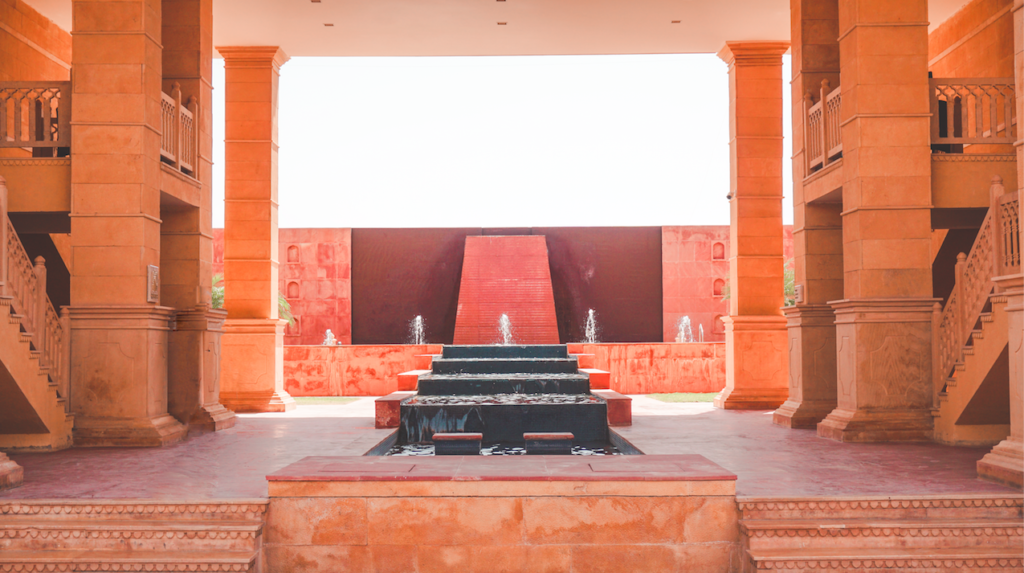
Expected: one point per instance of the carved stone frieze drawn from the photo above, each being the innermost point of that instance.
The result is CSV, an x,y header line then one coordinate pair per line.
x,y
246,510
888,564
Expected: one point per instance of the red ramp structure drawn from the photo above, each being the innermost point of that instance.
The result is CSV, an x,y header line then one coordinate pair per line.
x,y
506,275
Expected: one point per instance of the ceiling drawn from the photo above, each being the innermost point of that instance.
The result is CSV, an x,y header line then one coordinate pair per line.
x,y
494,27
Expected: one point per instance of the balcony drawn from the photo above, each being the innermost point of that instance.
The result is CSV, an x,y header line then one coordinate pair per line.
x,y
973,129
35,146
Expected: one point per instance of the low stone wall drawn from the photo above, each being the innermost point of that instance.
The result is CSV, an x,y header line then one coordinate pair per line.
x,y
469,514
647,368
349,370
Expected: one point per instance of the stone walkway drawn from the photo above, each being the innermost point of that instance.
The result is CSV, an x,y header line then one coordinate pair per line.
x,y
770,461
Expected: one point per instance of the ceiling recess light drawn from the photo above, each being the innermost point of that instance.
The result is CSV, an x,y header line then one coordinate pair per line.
x,y
329,25
315,1
503,23
676,21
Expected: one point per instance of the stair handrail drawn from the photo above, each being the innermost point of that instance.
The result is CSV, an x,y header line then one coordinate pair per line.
x,y
23,285
995,251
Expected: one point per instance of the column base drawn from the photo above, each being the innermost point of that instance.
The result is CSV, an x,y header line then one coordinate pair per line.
x,y
802,415
141,432
212,418
255,402
812,366
877,426
11,474
1004,464
252,366
756,368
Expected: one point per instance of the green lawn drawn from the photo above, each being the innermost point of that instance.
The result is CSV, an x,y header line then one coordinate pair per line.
x,y
325,399
685,397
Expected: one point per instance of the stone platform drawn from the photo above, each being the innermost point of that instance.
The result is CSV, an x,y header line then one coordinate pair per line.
x,y
474,513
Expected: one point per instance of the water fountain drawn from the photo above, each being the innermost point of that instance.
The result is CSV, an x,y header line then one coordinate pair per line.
x,y
683,330
417,333
590,333
700,328
329,339
505,330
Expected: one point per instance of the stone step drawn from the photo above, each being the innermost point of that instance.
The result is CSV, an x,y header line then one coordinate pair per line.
x,y
928,560
482,384
99,560
510,351
34,533
245,510
504,366
880,533
960,506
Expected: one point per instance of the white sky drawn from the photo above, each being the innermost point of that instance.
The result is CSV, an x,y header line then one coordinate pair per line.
x,y
502,141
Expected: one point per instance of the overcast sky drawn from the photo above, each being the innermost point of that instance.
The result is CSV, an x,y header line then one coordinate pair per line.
x,y
502,141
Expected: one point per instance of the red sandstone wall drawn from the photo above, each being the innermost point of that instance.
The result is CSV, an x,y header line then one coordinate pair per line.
x,y
976,42
658,368
315,276
31,46
507,275
348,370
693,259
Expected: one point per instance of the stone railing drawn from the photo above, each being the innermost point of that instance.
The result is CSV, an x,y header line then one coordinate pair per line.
x,y
972,110
23,288
995,252
823,141
179,142
35,114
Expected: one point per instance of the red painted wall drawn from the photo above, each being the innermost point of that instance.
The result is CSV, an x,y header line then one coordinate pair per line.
x,y
349,370
659,368
639,280
506,275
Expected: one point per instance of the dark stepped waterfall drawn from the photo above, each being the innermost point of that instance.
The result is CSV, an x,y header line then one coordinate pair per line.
x,y
504,392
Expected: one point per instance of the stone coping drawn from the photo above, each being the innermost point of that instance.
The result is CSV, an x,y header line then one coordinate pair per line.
x,y
675,468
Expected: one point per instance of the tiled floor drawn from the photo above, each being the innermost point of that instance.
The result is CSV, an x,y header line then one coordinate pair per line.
x,y
770,461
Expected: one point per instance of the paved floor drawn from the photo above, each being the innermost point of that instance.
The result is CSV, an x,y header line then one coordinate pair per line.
x,y
770,461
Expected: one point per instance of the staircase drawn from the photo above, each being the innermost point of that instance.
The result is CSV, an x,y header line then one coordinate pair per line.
x,y
34,352
906,534
131,535
972,365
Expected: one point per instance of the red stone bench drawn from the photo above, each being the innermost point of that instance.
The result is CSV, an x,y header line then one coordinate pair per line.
x,y
620,408
457,443
548,443
388,411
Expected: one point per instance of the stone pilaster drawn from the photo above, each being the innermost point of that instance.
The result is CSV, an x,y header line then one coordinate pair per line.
x,y
755,330
812,366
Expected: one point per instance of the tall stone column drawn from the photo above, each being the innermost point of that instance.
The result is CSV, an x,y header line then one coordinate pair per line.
x,y
1005,463
817,228
186,240
755,330
119,331
884,322
252,348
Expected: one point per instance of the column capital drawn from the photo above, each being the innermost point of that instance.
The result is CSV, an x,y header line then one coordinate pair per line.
x,y
253,56
753,53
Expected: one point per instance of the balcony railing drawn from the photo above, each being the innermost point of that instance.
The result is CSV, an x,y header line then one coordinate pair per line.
x,y
823,139
995,252
968,111
35,115
179,144
964,111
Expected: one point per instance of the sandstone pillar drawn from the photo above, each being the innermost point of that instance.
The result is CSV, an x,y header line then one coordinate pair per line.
x,y
817,228
755,330
11,474
119,331
1005,463
186,240
252,348
884,322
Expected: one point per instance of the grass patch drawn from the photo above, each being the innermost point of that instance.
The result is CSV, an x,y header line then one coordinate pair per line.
x,y
325,399
685,397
